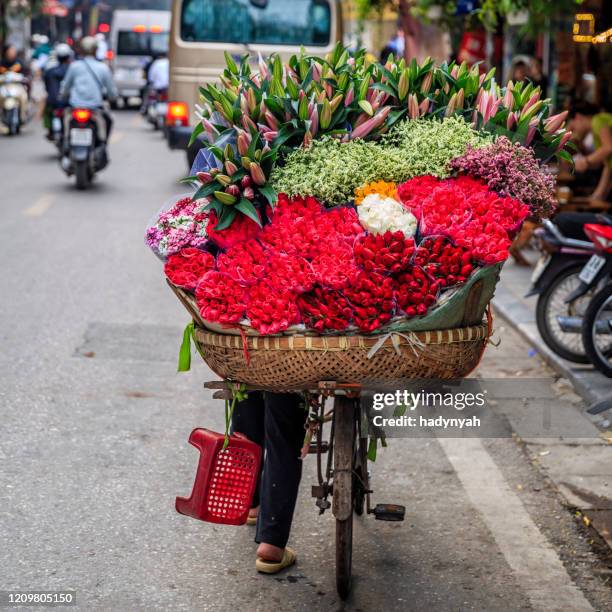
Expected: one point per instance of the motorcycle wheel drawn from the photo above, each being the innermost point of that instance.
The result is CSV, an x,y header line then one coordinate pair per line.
x,y
550,305
82,174
598,342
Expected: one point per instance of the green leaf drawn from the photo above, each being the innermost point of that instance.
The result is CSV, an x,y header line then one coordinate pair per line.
x,y
268,192
386,88
188,179
228,214
565,156
199,128
246,208
400,410
184,360
217,152
205,190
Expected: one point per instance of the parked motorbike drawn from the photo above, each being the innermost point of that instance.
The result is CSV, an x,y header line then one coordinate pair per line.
x,y
12,94
563,291
597,326
84,150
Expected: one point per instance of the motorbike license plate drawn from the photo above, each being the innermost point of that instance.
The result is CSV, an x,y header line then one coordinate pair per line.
x,y
81,138
539,269
591,269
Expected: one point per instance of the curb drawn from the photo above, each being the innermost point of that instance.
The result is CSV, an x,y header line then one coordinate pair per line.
x,y
588,383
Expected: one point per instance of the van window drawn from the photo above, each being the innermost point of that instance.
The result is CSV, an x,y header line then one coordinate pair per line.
x,y
300,22
142,43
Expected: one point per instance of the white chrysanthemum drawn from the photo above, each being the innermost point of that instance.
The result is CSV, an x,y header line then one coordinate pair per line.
x,y
379,215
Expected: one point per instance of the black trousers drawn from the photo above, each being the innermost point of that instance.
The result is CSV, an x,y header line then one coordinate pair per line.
x,y
275,421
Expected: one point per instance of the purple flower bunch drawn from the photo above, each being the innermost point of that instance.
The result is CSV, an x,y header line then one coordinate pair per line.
x,y
511,170
183,225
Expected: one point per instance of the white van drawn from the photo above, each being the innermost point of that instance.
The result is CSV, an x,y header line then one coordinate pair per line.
x,y
136,37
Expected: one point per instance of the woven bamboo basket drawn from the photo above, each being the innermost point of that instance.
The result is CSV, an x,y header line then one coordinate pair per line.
x,y
288,363
300,361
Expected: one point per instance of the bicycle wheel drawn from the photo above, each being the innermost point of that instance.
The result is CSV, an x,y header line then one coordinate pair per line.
x,y
597,331
343,500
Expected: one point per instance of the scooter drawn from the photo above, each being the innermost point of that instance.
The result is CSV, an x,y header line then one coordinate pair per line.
x,y
84,150
56,130
563,289
155,107
12,94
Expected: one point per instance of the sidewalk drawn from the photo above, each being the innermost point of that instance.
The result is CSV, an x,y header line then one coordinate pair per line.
x,y
581,468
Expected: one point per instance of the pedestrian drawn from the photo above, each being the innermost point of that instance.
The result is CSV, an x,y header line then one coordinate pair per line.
x,y
519,70
592,132
89,82
536,75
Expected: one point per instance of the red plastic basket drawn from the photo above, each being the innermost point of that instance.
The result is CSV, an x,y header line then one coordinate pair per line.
x,y
225,480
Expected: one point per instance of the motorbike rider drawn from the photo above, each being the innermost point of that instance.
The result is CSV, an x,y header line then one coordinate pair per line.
x,y
88,82
11,63
53,76
158,75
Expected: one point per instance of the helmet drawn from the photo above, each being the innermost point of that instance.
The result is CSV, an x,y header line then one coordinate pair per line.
x,y
63,50
89,45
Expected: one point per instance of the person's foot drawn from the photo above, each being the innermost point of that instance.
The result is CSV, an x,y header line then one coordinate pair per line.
x,y
252,518
518,257
268,552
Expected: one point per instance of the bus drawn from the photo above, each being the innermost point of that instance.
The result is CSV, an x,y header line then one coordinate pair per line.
x,y
136,38
202,31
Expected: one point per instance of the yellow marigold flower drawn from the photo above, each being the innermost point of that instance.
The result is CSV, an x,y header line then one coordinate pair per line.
x,y
382,188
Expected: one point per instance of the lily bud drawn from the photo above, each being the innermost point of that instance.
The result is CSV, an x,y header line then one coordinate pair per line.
x,y
252,101
564,140
271,120
335,103
307,139
426,83
225,198
246,181
533,124
246,162
314,122
552,124
224,179
257,174
326,115
248,124
402,85
233,190
270,136
204,177
242,143
508,98
413,106
230,167
350,96
511,121
363,130
248,193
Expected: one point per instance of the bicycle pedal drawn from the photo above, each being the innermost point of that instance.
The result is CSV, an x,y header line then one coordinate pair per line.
x,y
312,449
389,512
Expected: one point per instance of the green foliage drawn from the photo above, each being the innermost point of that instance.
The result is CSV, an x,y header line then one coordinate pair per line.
x,y
331,170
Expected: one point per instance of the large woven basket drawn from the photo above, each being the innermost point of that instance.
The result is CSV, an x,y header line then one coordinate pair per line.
x,y
287,363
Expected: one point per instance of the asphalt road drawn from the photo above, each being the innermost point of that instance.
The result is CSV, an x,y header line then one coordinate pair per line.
x,y
94,422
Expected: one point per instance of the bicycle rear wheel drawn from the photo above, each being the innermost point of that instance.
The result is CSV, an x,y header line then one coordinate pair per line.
x,y
343,489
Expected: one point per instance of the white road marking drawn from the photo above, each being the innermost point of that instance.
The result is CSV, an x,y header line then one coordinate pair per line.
x,y
533,560
117,137
41,206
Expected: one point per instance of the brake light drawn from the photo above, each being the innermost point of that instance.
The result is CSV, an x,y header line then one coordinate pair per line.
x,y
104,28
139,28
177,114
110,54
82,115
156,29
601,236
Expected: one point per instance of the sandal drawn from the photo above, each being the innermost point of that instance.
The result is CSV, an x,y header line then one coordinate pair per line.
x,y
251,520
273,567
